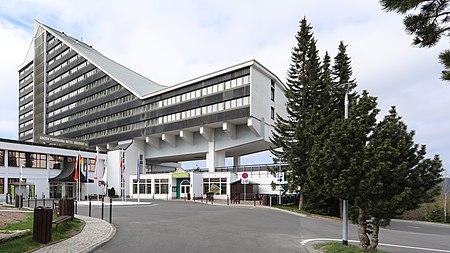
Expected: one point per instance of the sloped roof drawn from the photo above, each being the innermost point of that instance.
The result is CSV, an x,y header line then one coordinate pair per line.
x,y
134,82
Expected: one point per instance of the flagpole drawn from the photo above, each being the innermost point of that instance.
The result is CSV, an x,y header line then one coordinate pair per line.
x,y
138,177
96,175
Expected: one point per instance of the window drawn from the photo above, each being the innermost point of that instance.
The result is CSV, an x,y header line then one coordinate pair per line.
x,y
25,159
216,185
142,186
161,186
272,113
2,158
272,93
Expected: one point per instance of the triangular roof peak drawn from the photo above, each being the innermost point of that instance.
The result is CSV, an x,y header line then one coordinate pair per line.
x,y
136,83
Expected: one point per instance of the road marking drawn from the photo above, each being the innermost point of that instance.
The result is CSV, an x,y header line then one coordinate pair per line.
x,y
413,227
382,244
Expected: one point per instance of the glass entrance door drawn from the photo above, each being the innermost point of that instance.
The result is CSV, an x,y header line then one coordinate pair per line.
x,y
185,189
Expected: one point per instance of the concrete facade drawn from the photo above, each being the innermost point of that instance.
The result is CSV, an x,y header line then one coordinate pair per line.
x,y
67,89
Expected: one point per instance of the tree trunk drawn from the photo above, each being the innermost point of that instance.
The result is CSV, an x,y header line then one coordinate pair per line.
x,y
374,236
362,225
300,202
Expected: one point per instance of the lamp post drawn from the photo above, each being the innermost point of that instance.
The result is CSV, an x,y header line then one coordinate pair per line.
x,y
345,201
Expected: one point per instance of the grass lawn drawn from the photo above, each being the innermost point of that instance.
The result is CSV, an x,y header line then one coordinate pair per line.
x,y
292,208
336,247
26,243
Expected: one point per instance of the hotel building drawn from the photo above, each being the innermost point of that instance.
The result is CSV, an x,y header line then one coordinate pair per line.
x,y
70,91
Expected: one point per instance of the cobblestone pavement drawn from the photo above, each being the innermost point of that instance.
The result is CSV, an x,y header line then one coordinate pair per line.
x,y
95,233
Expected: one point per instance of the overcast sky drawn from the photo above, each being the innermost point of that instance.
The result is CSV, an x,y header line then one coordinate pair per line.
x,y
173,41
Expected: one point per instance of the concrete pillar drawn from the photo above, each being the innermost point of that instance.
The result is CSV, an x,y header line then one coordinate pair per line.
x,y
5,162
236,161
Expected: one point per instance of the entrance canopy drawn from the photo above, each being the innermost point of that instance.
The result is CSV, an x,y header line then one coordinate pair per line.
x,y
67,174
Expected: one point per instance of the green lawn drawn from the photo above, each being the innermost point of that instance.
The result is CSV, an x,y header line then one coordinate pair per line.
x,y
292,208
336,247
26,243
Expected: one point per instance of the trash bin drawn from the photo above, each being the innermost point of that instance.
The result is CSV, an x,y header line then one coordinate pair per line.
x,y
265,200
42,224
66,207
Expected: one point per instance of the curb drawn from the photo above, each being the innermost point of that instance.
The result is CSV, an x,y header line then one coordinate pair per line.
x,y
98,244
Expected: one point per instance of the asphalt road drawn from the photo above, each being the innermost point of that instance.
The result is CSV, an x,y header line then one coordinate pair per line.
x,y
172,226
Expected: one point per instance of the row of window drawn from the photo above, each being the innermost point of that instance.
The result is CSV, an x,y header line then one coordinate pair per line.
x,y
22,134
26,69
26,123
82,101
26,78
37,160
101,107
51,40
22,116
26,96
231,84
59,56
73,82
230,104
25,105
25,87
62,65
55,48
145,186
69,72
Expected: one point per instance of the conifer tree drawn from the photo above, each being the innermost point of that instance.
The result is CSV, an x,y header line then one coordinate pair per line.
x,y
306,97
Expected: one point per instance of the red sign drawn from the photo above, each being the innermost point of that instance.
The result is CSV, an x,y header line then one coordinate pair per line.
x,y
244,175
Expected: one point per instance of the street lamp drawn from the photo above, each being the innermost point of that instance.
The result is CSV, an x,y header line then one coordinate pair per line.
x,y
345,201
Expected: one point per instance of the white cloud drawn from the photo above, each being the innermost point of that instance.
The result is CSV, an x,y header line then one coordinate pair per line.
x,y
173,41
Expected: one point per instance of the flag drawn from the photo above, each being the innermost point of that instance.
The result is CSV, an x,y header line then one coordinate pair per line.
x,y
97,162
105,174
76,170
138,169
87,170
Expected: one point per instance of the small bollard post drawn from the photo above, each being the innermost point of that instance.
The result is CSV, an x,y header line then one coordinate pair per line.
x,y
29,200
228,200
201,197
254,200
110,210
76,207
43,199
35,200
89,208
103,206
53,203
194,197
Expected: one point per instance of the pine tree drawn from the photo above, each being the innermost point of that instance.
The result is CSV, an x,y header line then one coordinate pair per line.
x,y
306,97
428,25
398,177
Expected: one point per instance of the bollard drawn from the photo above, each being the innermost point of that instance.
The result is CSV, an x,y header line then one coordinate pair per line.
x,y
270,200
103,206
7,198
76,207
228,200
35,200
29,201
110,210
254,200
43,199
201,197
89,208
194,197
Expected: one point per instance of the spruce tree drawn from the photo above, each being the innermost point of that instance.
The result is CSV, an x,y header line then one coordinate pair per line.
x,y
306,98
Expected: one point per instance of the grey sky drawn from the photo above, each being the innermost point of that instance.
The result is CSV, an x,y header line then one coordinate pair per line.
x,y
173,41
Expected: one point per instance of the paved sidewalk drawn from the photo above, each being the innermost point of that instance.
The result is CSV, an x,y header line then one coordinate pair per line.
x,y
95,233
